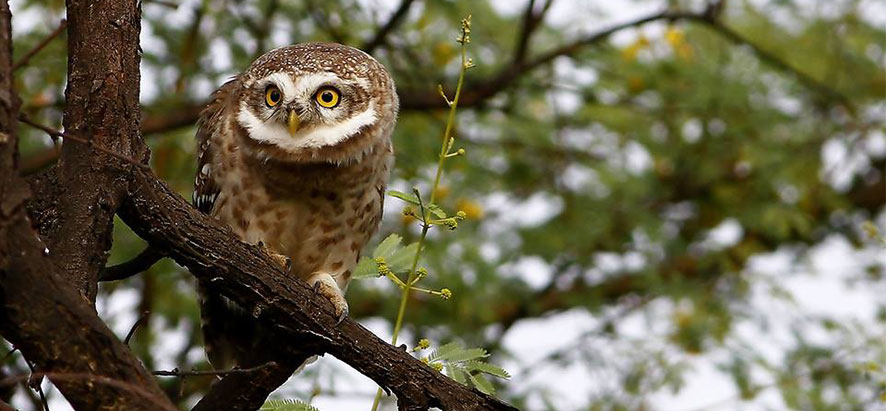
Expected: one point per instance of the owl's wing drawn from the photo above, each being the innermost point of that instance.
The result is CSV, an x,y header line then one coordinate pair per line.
x,y
208,128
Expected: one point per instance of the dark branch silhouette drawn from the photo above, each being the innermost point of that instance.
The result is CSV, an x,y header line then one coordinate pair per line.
x,y
381,35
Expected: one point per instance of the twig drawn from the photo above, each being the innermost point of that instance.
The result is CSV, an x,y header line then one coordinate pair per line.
x,y
35,381
531,20
141,319
140,263
55,133
31,53
381,35
175,372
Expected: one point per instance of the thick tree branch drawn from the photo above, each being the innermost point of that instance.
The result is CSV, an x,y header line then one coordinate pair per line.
x,y
102,105
243,273
43,316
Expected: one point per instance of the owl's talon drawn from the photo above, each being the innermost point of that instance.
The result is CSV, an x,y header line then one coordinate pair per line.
x,y
341,317
283,261
324,285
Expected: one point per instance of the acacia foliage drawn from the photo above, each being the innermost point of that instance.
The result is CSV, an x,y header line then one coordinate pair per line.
x,y
604,171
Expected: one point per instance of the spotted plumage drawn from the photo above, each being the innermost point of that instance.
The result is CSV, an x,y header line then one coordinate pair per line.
x,y
294,154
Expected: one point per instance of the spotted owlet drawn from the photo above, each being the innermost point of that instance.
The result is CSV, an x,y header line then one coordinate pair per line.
x,y
294,154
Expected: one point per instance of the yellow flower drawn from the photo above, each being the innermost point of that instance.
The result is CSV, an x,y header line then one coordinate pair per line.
x,y
629,53
674,37
441,192
472,210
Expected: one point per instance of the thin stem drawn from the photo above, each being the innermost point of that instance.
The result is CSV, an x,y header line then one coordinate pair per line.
x,y
449,122
447,136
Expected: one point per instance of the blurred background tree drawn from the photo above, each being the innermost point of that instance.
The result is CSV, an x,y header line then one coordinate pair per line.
x,y
666,200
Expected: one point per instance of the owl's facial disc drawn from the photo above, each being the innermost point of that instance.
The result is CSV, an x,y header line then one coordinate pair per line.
x,y
308,111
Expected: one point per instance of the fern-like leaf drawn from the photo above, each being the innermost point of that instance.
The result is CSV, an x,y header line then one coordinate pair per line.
x,y
456,373
401,259
387,247
465,355
287,405
482,383
444,351
409,198
486,368
366,268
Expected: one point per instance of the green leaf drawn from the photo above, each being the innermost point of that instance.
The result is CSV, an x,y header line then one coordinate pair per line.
x,y
445,350
482,383
454,352
387,247
436,210
465,355
409,198
366,268
455,373
484,367
287,405
401,260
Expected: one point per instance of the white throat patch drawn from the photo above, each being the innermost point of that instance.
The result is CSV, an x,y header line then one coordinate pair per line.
x,y
320,136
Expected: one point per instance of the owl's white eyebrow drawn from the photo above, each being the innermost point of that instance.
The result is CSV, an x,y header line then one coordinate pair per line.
x,y
309,83
283,82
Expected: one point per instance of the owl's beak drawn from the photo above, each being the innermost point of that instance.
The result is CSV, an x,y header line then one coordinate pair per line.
x,y
294,123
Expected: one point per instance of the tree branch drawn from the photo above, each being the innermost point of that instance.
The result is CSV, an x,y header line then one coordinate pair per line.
x,y
381,35
531,21
42,315
31,53
480,91
245,274
102,105
215,373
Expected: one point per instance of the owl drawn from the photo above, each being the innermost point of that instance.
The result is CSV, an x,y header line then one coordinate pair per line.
x,y
294,155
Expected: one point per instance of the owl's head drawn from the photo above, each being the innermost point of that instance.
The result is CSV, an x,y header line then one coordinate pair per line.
x,y
315,102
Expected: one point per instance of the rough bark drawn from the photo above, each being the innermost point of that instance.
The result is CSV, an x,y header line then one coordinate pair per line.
x,y
43,316
55,326
246,275
102,105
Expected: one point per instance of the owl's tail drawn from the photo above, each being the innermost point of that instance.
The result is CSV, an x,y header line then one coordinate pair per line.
x,y
145,260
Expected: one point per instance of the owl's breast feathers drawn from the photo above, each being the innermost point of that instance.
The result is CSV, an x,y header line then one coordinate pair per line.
x,y
319,214
318,206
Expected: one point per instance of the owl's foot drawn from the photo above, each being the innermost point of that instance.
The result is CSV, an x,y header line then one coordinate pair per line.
x,y
326,286
282,260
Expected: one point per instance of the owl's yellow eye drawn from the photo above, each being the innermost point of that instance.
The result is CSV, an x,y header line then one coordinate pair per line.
x,y
273,96
327,97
